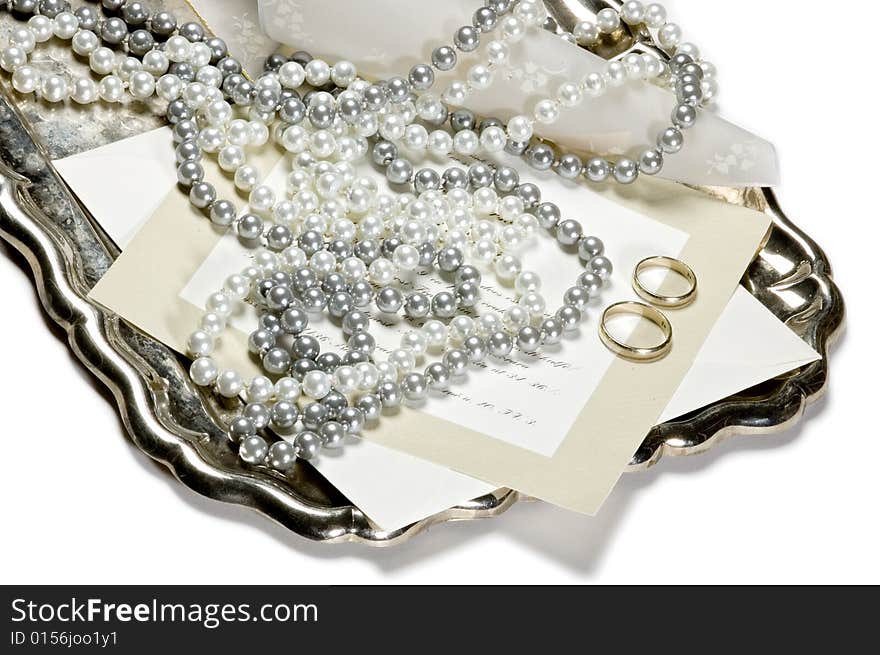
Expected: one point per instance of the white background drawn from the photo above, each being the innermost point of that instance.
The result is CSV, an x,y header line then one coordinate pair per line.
x,y
81,504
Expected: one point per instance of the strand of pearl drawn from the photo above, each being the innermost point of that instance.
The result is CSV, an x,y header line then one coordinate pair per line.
x,y
284,414
179,52
222,113
691,79
230,378
206,199
219,303
695,78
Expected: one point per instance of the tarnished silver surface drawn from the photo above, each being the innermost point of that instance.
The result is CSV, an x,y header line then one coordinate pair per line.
x,y
176,424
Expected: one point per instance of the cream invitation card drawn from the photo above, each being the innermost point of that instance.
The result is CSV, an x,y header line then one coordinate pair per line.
x,y
599,426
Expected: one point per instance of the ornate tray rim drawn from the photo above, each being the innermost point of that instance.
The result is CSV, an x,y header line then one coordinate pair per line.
x,y
141,393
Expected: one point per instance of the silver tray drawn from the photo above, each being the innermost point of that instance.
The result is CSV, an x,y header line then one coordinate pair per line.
x,y
177,425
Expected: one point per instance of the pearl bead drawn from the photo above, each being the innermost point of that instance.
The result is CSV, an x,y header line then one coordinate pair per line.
x,y
435,333
684,116
669,35
169,87
655,15
200,55
615,73
534,303
387,372
530,12
23,37
26,79
126,67
258,414
392,127
528,339
142,85
346,379
261,198
203,371
102,61
253,450
511,207
626,171
177,48
281,456
493,139
41,27
688,49
635,66
415,137
287,389
507,267
569,317
85,42
438,376
602,267
260,390
487,324
332,434
461,327
404,360
111,89
414,387
317,72
456,93
219,303
439,143
546,111
368,376
594,84
291,75
519,128
633,12
512,29
607,20
480,77
514,318
586,33
527,282
652,66
498,52
155,62
11,58
651,162
316,384
307,445
569,95
406,257
499,344
229,384
54,88
551,331
66,25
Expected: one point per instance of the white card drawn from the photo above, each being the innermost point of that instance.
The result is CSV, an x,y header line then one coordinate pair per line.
x,y
748,345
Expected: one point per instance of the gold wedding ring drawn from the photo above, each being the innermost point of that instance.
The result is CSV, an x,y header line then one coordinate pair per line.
x,y
634,353
673,265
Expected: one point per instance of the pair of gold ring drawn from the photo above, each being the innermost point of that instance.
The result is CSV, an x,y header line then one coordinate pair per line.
x,y
655,316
